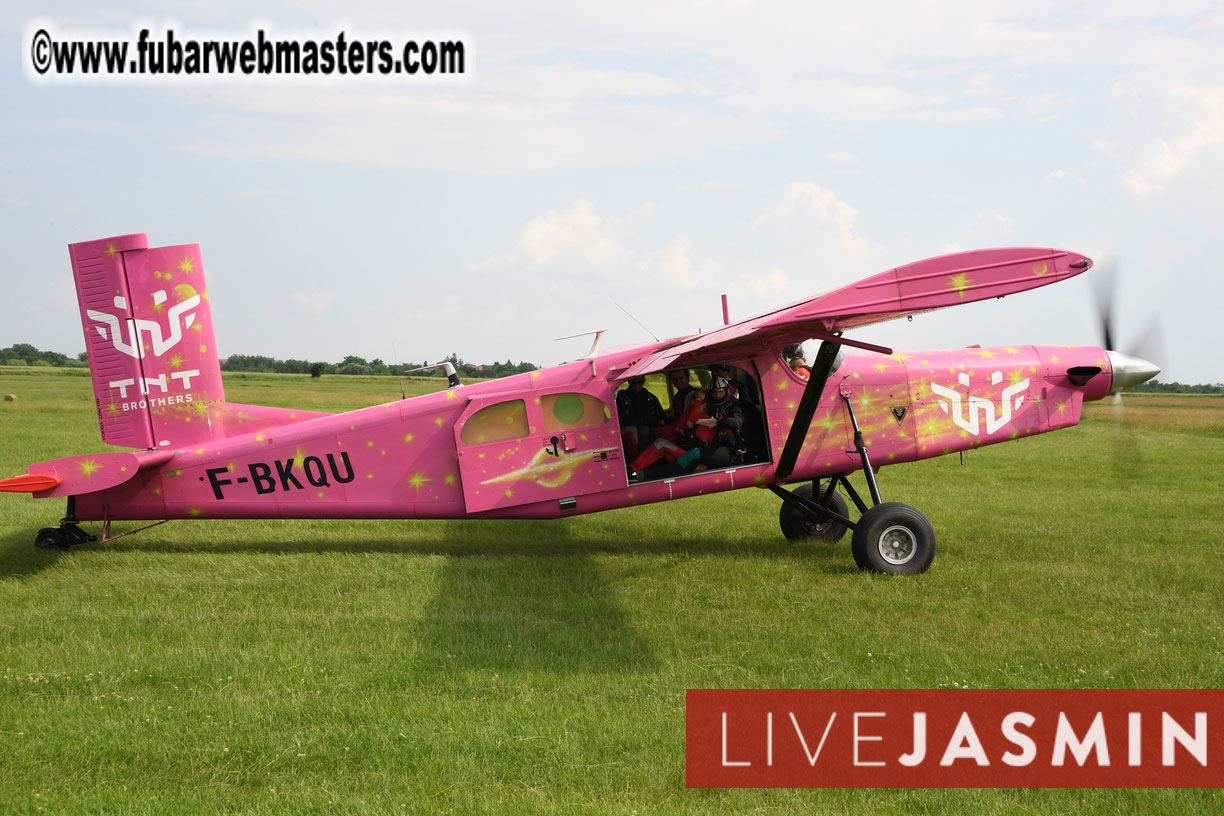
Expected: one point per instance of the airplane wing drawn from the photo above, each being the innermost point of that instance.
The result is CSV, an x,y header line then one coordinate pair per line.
x,y
948,280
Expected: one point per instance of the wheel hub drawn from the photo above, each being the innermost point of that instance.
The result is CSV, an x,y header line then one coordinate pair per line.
x,y
897,544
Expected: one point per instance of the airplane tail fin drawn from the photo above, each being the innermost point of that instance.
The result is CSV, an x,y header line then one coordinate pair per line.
x,y
149,335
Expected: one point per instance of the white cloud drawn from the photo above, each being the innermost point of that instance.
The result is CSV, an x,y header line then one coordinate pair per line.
x,y
769,283
315,303
1190,121
578,242
993,218
577,237
809,202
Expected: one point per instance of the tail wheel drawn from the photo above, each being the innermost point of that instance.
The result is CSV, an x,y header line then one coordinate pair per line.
x,y
895,539
799,525
51,538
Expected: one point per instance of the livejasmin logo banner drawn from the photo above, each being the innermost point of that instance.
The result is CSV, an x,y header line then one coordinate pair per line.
x,y
955,738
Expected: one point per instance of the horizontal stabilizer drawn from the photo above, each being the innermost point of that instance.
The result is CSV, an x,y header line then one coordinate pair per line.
x,y
75,475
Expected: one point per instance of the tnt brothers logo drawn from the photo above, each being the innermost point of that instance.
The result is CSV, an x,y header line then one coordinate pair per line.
x,y
955,738
978,407
138,327
180,318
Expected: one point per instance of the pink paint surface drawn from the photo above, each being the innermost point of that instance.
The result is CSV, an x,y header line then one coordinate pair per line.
x,y
537,445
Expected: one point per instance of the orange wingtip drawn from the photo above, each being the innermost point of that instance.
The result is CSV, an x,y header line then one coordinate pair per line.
x,y
30,483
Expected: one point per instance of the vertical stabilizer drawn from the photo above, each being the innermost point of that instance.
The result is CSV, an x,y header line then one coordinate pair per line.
x,y
148,331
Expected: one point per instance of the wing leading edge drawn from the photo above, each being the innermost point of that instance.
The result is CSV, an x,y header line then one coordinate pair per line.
x,y
923,286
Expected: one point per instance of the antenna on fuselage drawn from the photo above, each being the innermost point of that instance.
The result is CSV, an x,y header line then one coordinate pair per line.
x,y
599,333
447,367
635,320
395,354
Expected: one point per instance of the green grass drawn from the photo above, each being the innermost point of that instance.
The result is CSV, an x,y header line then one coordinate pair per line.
x,y
523,667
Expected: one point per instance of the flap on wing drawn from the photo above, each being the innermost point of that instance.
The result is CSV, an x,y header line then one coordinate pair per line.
x,y
948,280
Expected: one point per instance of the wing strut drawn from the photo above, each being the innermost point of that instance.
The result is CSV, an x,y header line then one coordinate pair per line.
x,y
821,369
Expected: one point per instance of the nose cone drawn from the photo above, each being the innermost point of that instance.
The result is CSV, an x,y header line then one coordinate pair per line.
x,y
1129,371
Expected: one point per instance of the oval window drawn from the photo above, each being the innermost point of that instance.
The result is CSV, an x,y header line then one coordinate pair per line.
x,y
567,410
494,423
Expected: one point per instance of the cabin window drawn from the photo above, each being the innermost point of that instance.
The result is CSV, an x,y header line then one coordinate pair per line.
x,y
568,410
494,423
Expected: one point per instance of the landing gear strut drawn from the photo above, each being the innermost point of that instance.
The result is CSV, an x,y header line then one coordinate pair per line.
x,y
66,534
889,537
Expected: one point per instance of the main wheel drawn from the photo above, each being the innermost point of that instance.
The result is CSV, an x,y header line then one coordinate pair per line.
x,y
800,525
895,539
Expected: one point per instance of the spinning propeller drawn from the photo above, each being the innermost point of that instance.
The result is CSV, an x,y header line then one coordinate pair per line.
x,y
1130,368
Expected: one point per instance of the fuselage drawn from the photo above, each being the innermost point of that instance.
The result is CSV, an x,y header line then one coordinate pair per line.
x,y
548,444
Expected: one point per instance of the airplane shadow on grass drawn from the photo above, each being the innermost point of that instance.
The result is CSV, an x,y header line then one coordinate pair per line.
x,y
509,596
19,558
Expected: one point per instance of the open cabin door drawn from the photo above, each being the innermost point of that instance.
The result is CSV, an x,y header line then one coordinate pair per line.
x,y
521,447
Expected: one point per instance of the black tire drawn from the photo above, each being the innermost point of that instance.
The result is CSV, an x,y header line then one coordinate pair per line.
x,y
798,525
895,539
51,538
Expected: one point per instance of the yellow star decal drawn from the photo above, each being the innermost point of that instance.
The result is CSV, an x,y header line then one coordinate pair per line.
x,y
89,467
986,355
1041,268
176,361
960,283
186,265
418,479
110,250
450,479
409,437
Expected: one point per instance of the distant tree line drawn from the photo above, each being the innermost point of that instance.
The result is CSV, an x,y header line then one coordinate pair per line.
x,y
23,354
1156,386
360,365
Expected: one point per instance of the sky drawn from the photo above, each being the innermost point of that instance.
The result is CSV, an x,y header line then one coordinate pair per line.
x,y
640,156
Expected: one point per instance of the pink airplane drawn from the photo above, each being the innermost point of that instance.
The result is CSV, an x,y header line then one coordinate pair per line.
x,y
550,443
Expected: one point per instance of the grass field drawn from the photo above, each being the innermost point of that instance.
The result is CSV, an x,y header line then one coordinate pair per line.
x,y
523,667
